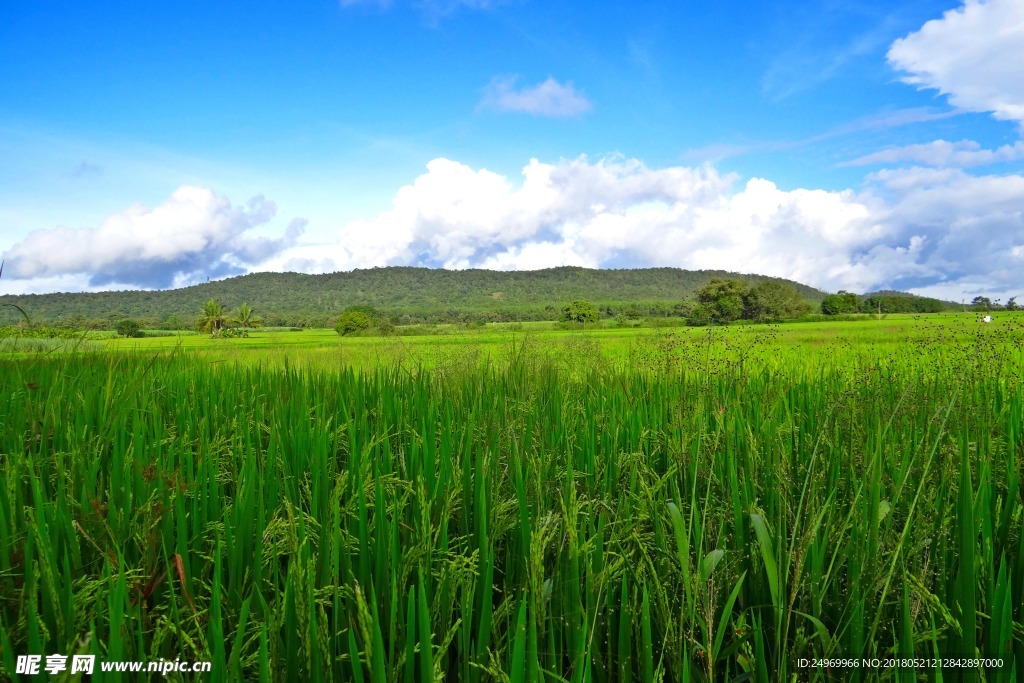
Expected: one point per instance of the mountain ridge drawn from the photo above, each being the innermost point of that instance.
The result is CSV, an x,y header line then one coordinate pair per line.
x,y
419,294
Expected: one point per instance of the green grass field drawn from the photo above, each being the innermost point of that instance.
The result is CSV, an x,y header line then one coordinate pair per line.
x,y
532,505
784,345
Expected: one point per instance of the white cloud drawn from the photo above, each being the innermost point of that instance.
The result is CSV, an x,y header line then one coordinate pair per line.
x,y
612,212
548,98
930,230
974,54
973,224
909,228
194,234
961,154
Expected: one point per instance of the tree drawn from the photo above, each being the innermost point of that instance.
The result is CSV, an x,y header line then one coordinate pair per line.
x,y
838,304
173,322
723,299
129,328
213,318
771,300
901,303
982,302
370,312
632,312
580,311
246,318
352,321
1011,304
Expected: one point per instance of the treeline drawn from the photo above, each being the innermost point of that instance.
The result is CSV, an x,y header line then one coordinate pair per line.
x,y
408,295
311,320
420,296
844,303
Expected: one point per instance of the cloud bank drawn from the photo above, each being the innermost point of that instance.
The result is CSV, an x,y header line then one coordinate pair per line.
x,y
192,235
932,230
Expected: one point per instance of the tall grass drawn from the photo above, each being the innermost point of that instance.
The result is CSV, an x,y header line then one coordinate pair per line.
x,y
687,519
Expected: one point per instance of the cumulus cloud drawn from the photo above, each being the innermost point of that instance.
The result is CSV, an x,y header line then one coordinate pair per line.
x,y
970,227
908,228
974,54
548,98
962,154
192,235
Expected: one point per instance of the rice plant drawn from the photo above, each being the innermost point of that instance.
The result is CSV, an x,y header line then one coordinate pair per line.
x,y
700,512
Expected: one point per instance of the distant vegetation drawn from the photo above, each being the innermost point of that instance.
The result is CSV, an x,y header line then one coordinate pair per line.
x,y
404,295
580,311
129,328
36,332
408,296
882,302
723,301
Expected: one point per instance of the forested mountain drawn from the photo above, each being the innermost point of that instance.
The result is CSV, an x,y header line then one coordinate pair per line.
x,y
407,294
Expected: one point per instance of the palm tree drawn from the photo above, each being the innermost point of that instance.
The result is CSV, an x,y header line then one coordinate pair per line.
x,y
213,318
246,318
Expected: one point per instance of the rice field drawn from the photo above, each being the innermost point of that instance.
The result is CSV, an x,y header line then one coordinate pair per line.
x,y
829,501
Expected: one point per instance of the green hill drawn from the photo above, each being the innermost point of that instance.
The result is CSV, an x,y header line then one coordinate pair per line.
x,y
408,294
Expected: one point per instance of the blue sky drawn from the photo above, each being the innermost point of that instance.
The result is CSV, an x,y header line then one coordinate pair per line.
x,y
854,145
